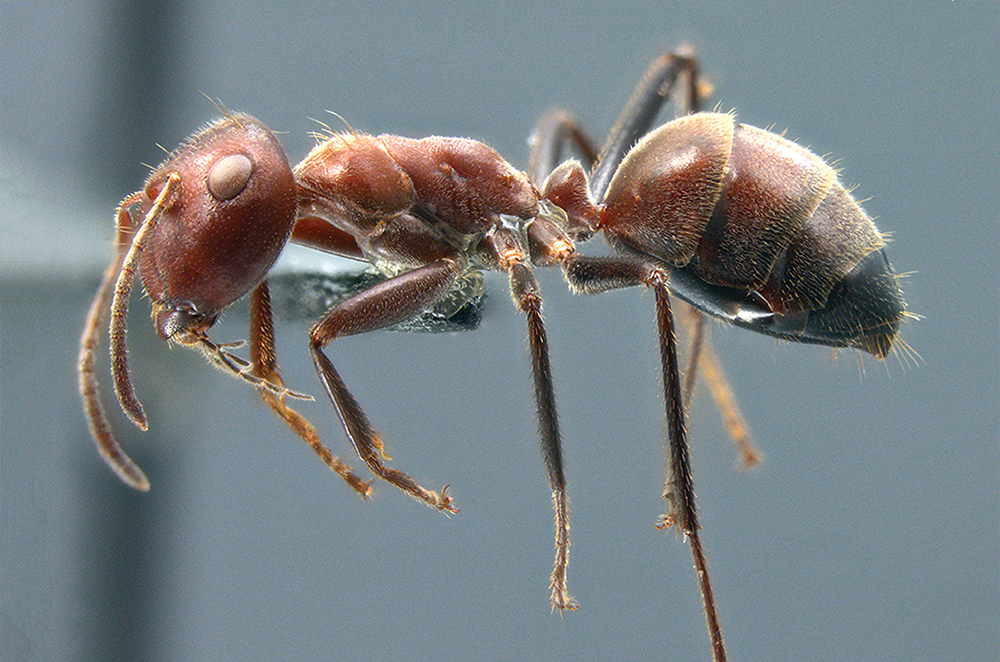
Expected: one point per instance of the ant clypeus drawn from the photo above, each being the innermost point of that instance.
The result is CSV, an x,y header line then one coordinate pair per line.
x,y
741,223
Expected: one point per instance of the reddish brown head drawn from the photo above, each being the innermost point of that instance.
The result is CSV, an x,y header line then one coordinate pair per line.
x,y
223,229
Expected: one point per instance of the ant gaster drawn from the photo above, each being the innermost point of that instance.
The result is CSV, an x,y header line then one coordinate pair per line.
x,y
741,223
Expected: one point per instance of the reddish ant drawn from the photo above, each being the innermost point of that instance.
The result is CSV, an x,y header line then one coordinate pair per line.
x,y
741,223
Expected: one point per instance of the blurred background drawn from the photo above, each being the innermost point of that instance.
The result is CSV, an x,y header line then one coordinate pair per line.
x,y
870,531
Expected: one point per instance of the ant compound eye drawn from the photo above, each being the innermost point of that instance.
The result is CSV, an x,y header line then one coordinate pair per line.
x,y
229,176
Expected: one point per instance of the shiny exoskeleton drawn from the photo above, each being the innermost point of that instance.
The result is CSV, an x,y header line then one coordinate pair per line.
x,y
741,223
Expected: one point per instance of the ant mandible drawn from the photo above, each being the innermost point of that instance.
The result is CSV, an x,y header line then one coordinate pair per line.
x,y
744,225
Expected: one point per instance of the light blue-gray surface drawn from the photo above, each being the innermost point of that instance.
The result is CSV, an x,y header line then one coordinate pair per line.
x,y
870,533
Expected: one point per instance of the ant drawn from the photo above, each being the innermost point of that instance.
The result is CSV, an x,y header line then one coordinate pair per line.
x,y
742,224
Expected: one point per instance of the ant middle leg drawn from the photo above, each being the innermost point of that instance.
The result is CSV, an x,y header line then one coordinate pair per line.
x,y
502,250
390,302
524,289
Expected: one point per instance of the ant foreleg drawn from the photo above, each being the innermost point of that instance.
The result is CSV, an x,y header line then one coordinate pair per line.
x,y
265,367
390,302
320,234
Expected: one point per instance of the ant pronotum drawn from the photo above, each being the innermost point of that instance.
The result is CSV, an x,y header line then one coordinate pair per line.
x,y
741,223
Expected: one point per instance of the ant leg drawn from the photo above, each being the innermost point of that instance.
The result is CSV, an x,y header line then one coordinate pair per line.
x,y
695,324
524,289
655,87
265,367
679,488
591,275
389,302
556,128
503,251
107,447
317,233
703,355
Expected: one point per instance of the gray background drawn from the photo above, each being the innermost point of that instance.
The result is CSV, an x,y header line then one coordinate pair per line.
x,y
869,533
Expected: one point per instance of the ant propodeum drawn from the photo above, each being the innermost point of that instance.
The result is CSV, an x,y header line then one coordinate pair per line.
x,y
741,223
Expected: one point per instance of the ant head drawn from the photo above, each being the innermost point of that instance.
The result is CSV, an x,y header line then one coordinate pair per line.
x,y
220,232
